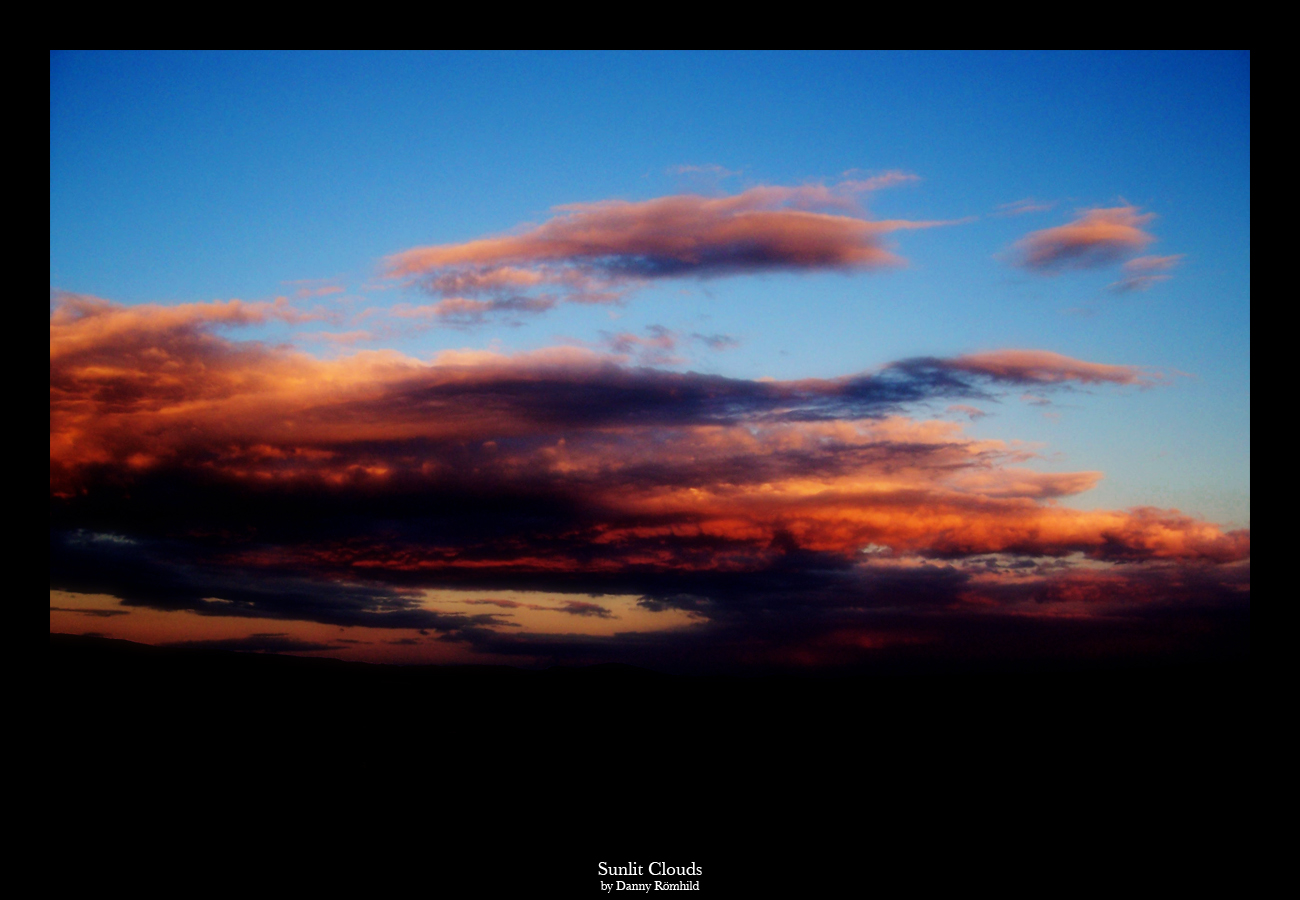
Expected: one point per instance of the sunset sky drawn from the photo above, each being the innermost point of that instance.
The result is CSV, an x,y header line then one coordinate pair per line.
x,y
704,362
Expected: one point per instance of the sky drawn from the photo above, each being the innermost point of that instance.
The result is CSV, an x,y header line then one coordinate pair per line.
x,y
703,362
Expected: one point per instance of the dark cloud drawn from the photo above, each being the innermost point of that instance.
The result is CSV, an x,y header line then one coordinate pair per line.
x,y
256,643
180,574
98,613
585,608
803,616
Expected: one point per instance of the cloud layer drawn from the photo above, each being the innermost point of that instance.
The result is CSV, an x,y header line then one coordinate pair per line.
x,y
821,516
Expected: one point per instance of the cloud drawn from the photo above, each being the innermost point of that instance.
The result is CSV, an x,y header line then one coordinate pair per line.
x,y
314,287
1021,207
1145,264
656,349
1144,271
889,179
823,517
596,252
1037,367
98,613
705,179
149,397
711,170
584,608
279,642
568,607
464,312
1098,237
78,321
716,341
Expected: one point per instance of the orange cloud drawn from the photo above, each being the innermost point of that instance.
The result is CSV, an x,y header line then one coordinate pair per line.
x,y
79,321
1098,237
740,460
239,481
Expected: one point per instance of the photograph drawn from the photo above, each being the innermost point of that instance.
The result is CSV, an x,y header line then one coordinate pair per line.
x,y
747,473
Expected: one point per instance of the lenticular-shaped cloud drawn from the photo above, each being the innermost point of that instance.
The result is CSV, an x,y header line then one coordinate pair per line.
x,y
595,252
761,228
1045,367
1098,237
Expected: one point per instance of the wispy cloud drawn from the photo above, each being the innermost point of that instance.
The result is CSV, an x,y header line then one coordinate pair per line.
x,y
853,183
1143,272
1021,207
314,287
716,341
464,312
1040,367
656,348
702,178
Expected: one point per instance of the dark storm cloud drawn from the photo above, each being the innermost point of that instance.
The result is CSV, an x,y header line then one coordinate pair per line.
x,y
256,643
176,574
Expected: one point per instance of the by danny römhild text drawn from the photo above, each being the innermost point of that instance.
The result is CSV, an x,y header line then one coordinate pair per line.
x,y
634,870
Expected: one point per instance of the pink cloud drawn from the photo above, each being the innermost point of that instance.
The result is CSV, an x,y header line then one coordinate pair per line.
x,y
654,349
1098,237
596,252
765,227
81,322
1044,366
971,412
1145,271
